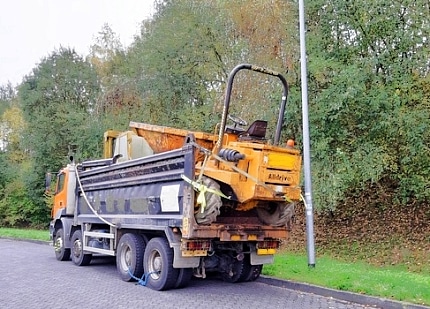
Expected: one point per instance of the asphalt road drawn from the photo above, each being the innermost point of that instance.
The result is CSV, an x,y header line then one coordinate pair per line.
x,y
31,277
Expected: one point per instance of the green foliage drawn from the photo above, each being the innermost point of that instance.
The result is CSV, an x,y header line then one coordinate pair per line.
x,y
57,100
120,101
16,208
7,93
369,116
12,215
4,175
182,68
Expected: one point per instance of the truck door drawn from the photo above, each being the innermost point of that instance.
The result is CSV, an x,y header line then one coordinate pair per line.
x,y
60,197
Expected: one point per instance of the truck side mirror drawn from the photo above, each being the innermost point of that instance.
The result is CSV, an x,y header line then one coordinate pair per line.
x,y
48,178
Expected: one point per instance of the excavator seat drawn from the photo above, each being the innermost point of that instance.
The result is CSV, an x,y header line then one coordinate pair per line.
x,y
256,131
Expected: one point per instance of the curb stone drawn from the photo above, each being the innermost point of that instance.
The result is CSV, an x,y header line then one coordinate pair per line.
x,y
342,295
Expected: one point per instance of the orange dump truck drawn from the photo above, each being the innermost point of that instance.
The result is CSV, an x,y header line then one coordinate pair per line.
x,y
170,204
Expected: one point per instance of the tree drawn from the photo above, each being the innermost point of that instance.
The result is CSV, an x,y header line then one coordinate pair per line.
x,y
58,101
120,98
13,129
368,67
16,207
7,94
183,72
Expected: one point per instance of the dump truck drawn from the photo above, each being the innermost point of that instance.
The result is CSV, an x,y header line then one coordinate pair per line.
x,y
170,204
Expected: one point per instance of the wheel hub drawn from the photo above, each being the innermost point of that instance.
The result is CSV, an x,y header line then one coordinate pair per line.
x,y
155,265
77,248
58,244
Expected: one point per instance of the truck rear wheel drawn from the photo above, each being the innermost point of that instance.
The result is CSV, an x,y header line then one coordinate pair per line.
x,y
255,273
234,272
61,253
184,278
158,265
129,257
250,272
78,255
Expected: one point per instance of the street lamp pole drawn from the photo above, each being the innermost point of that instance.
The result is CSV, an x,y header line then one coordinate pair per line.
x,y
310,240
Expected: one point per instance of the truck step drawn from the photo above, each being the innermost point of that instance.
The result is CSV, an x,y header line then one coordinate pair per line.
x,y
87,248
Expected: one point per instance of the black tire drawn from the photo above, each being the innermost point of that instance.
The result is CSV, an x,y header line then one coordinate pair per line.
x,y
246,268
129,257
280,214
249,272
255,272
184,278
235,272
61,253
78,255
213,203
158,265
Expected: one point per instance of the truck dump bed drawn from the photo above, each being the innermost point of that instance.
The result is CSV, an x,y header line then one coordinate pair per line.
x,y
143,192
162,138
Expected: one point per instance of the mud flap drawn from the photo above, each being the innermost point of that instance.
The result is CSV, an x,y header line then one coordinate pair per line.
x,y
180,261
261,259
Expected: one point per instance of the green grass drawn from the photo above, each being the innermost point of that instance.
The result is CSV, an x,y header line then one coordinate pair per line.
x,y
25,233
393,282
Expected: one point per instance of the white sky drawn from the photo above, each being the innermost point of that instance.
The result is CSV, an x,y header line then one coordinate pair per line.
x,y
32,29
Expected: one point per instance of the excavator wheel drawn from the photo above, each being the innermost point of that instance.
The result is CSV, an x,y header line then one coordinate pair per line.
x,y
276,214
213,203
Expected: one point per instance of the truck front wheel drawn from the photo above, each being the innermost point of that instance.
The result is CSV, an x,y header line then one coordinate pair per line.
x,y
158,265
129,257
61,253
78,256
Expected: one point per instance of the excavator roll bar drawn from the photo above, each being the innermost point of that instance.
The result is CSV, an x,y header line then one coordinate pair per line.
x,y
251,67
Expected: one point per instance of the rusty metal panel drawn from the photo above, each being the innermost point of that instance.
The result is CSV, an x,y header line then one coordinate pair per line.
x,y
163,139
230,232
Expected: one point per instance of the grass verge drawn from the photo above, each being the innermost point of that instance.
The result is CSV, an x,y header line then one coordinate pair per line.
x,y
392,282
25,233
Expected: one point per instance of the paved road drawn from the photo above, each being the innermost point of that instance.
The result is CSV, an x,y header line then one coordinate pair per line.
x,y
31,277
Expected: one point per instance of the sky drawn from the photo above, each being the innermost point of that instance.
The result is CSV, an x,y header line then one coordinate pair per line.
x,y
32,29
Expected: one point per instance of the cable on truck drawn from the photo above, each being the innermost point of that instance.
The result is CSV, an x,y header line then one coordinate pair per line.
x,y
88,202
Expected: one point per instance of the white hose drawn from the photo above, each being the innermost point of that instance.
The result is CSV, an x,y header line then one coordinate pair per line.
x,y
88,202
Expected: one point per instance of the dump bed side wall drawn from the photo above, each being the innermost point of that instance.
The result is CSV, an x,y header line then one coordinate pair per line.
x,y
143,193
162,138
